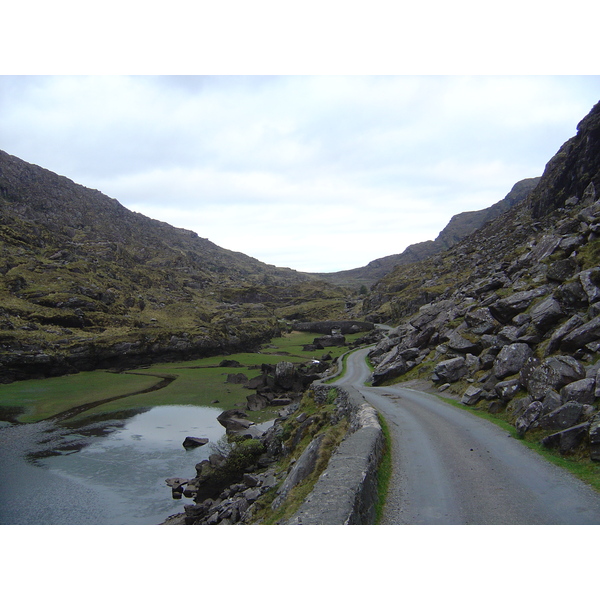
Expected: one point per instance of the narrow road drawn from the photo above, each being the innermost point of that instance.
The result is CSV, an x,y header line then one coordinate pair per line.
x,y
451,467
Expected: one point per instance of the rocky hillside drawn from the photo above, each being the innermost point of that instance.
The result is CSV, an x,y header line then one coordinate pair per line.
x,y
509,317
459,227
86,283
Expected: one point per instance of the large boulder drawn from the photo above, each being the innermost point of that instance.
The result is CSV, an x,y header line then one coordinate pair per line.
x,y
594,437
529,417
507,390
481,321
507,308
285,375
581,391
579,337
551,374
567,440
451,370
511,359
563,417
234,421
547,313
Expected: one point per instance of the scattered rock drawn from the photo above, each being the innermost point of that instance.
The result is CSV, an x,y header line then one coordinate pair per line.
x,y
194,442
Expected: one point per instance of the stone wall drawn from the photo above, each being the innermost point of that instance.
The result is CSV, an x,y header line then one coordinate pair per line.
x,y
346,492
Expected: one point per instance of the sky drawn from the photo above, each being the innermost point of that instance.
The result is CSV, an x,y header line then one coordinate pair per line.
x,y
316,173
317,136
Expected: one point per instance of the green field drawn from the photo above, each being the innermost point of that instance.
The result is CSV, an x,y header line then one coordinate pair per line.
x,y
199,382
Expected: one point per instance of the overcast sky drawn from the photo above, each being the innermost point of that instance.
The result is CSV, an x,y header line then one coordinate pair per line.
x,y
319,173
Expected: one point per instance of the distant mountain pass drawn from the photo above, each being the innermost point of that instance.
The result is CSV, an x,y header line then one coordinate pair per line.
x,y
459,227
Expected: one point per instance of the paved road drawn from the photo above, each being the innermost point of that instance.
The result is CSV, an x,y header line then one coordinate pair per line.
x,y
451,467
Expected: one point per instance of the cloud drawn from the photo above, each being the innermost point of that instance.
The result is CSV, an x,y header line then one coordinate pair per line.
x,y
315,173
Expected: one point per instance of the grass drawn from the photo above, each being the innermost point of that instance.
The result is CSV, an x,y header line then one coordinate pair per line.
x,y
384,471
200,382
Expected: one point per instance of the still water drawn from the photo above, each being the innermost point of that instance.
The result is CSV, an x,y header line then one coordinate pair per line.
x,y
109,472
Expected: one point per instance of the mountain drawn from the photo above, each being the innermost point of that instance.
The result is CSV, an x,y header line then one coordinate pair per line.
x,y
87,283
509,317
459,227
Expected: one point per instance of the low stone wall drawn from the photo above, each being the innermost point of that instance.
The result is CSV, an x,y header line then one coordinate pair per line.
x,y
346,492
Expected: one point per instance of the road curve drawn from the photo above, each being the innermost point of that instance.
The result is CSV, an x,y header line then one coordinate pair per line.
x,y
451,467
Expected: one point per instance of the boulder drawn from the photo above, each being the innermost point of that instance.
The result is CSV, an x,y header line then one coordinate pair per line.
x,y
256,402
552,400
448,371
561,270
567,440
529,417
590,281
552,373
594,437
285,375
302,468
581,391
573,323
194,442
234,421
507,390
579,337
547,313
458,343
481,321
563,417
507,308
471,396
511,359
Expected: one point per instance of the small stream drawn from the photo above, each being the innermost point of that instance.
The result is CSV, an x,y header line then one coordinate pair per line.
x,y
104,472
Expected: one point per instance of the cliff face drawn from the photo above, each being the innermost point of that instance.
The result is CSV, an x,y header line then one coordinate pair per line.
x,y
459,227
575,166
86,283
509,317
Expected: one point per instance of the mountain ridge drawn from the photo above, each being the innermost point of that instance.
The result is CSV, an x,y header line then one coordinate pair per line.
x,y
459,226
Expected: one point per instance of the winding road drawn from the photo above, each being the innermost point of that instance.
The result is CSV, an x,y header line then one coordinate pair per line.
x,y
451,467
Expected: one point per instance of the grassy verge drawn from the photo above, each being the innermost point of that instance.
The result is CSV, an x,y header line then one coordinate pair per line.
x,y
578,464
384,471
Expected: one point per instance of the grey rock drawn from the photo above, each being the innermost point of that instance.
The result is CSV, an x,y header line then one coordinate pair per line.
x,y
481,321
507,308
581,391
511,359
552,374
194,442
451,370
561,270
563,417
552,401
285,374
573,323
303,467
546,313
471,396
567,440
590,281
529,417
507,390
460,344
579,337
594,437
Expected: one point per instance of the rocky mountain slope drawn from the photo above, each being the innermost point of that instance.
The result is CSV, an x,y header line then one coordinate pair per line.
x,y
459,227
86,283
509,317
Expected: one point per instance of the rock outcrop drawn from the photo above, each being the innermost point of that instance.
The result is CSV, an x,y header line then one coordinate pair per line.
x,y
510,316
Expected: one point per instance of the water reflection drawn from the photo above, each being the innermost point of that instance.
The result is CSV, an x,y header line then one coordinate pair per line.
x,y
103,472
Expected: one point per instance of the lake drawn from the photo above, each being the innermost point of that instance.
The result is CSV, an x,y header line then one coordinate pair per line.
x,y
104,472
